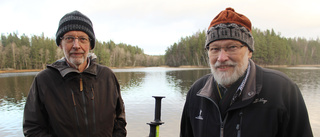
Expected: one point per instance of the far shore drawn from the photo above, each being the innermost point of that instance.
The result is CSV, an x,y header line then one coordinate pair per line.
x,y
269,66
282,66
37,70
19,70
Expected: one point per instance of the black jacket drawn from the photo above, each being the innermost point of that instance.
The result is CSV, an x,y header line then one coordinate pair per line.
x,y
270,105
63,102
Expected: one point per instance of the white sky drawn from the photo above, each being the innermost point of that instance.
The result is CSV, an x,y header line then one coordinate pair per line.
x,y
154,25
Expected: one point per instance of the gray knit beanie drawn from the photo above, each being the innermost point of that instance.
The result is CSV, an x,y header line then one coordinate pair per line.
x,y
75,21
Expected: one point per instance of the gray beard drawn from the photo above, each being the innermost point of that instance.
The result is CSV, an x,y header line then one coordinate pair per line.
x,y
227,79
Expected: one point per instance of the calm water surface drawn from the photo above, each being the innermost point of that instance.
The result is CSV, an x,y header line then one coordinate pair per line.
x,y
138,86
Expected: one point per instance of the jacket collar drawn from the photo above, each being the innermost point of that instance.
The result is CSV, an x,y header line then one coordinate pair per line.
x,y
252,86
64,69
208,88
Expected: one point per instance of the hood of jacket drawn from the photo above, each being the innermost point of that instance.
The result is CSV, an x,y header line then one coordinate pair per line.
x,y
62,66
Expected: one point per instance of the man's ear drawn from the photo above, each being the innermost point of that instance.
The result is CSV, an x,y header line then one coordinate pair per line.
x,y
250,54
60,46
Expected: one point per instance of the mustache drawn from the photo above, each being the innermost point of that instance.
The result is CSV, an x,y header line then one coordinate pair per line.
x,y
228,63
76,52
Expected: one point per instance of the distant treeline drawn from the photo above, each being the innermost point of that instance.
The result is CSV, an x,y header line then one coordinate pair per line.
x,y
270,49
38,51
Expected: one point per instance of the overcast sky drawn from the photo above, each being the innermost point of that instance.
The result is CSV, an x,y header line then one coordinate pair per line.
x,y
154,25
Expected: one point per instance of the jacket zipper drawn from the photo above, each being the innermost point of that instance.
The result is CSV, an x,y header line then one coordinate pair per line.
x,y
93,109
75,109
84,106
222,125
239,125
221,122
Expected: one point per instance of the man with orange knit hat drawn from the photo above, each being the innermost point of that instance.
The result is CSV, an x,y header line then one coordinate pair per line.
x,y
239,98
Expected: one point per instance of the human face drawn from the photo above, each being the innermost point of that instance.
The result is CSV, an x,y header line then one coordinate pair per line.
x,y
227,67
75,52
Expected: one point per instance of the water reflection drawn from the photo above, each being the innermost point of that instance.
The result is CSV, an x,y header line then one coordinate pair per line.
x,y
138,86
14,87
129,80
306,77
184,78
13,92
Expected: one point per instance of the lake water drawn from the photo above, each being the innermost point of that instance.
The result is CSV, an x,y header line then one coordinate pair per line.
x,y
138,86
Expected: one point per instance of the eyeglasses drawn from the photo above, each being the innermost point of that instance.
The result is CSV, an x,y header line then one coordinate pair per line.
x,y
71,39
230,49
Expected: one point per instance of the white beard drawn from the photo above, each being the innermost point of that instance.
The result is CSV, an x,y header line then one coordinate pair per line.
x,y
76,61
228,78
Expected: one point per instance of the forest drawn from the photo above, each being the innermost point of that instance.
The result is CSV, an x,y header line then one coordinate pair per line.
x,y
270,49
38,51
35,52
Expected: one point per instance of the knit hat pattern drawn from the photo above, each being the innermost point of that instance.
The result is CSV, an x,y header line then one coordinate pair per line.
x,y
230,25
75,21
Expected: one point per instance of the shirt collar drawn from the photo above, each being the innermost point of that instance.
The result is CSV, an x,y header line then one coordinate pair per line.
x,y
244,81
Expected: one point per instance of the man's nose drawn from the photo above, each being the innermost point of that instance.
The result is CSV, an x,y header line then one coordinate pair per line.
x,y
223,56
76,44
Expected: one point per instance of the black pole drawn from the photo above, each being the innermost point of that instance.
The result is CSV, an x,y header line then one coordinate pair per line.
x,y
152,129
157,117
157,114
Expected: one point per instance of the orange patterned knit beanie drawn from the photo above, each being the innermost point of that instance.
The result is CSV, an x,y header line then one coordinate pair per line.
x,y
229,24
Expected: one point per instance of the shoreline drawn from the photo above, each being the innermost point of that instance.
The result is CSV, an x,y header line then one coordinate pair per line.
x,y
19,70
37,70
284,66
269,66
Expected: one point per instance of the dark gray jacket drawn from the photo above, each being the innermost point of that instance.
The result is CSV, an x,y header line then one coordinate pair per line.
x,y
270,105
63,102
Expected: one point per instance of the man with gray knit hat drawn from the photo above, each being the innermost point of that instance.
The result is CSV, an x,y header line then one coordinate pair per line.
x,y
75,96
239,98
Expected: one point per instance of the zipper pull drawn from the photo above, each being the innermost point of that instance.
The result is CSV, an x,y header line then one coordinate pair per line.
x,y
221,131
74,102
239,130
81,85
239,125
